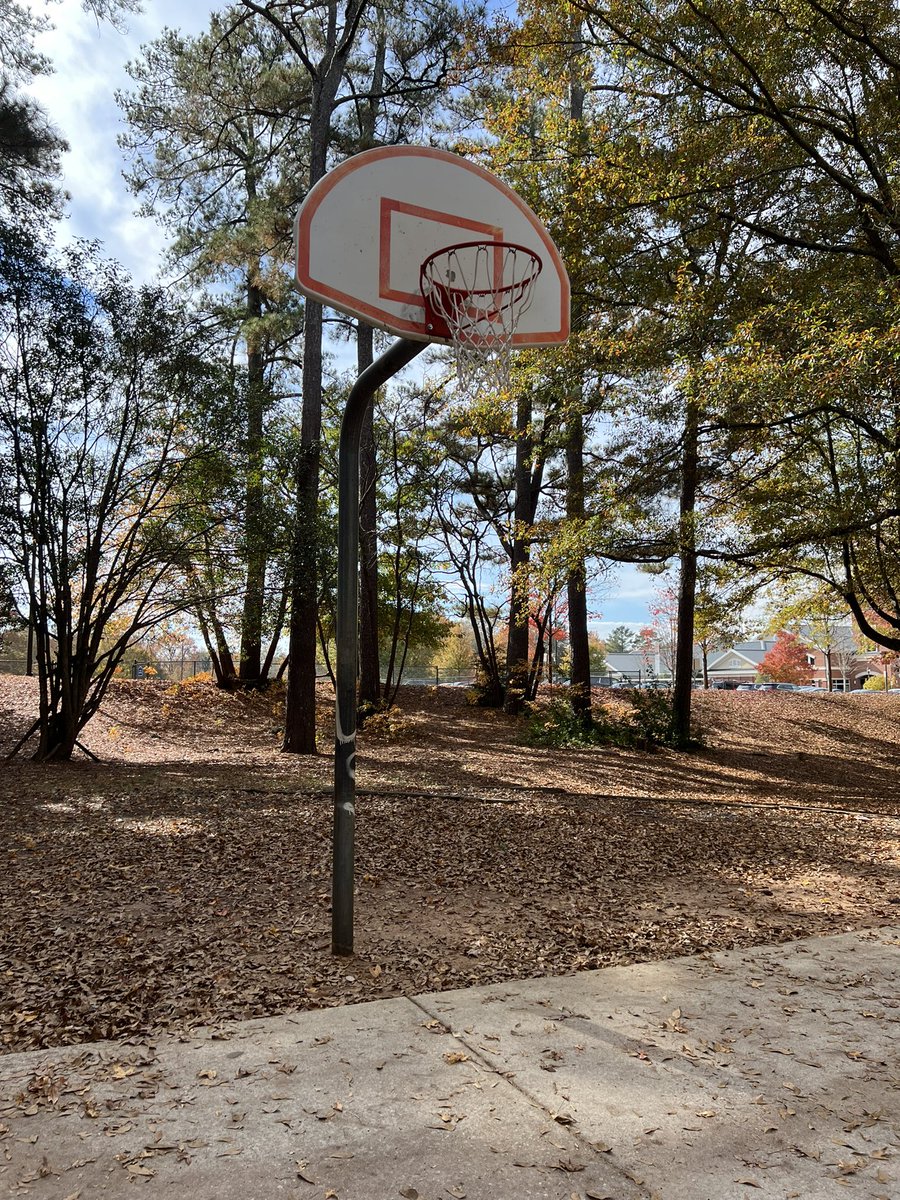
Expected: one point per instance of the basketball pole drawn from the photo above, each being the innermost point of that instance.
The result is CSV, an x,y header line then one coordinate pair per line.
x,y
394,359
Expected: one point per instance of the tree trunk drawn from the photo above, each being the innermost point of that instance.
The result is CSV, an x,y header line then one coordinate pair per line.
x,y
369,666
276,636
254,506
57,737
576,585
687,588
517,636
300,712
576,588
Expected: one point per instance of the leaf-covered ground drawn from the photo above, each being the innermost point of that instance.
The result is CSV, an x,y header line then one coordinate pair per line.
x,y
186,878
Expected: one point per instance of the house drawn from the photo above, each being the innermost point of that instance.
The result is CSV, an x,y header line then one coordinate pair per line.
x,y
742,663
850,666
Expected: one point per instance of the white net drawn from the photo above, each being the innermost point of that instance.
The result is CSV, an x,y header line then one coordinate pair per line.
x,y
475,295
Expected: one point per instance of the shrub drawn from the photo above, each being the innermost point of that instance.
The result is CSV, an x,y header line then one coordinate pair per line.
x,y
641,720
485,692
557,724
651,718
191,686
386,724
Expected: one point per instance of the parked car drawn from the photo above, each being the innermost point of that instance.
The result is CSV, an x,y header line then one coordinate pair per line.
x,y
786,687
746,687
767,687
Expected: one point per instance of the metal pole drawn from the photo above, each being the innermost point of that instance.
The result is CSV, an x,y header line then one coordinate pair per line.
x,y
347,635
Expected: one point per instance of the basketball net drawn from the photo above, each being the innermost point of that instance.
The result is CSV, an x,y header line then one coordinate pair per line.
x,y
475,295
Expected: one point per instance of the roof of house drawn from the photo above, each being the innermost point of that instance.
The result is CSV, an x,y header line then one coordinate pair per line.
x,y
626,664
741,656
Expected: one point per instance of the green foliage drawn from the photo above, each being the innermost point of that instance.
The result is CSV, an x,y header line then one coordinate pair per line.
x,y
637,720
456,652
622,640
597,656
30,147
555,724
598,649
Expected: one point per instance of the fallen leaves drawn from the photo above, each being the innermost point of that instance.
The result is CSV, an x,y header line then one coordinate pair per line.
x,y
199,864
137,1171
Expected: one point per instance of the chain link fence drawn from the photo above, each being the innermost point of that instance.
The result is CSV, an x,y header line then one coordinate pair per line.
x,y
176,670
171,669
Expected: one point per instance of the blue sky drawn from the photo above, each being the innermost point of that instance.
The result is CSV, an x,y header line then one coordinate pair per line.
x,y
80,98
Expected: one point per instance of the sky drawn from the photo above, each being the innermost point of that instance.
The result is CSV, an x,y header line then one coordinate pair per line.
x,y
79,96
89,60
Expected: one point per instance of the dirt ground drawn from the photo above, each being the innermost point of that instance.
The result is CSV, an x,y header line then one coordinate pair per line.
x,y
185,879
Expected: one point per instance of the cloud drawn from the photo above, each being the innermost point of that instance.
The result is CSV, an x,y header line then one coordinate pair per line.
x,y
79,97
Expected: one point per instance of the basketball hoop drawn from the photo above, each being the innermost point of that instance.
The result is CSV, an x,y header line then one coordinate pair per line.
x,y
475,294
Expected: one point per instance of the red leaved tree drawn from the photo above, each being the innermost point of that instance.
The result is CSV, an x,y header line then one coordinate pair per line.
x,y
787,661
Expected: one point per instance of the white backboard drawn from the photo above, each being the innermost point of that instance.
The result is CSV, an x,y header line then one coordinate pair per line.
x,y
364,231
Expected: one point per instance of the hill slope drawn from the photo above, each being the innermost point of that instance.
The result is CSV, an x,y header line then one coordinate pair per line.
x,y
186,878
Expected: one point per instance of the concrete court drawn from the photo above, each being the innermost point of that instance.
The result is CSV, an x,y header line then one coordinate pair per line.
x,y
772,1072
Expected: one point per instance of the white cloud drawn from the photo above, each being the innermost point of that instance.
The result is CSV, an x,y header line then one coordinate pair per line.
x,y
79,97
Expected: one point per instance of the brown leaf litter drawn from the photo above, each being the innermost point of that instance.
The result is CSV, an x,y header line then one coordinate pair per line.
x,y
186,879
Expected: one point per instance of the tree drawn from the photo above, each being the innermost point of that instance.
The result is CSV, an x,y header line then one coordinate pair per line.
x,y
98,384
410,617
817,614
456,654
598,649
820,498
30,146
622,640
809,81
395,89
664,609
719,620
648,648
217,134
467,534
787,661
538,103
799,92
323,38
672,293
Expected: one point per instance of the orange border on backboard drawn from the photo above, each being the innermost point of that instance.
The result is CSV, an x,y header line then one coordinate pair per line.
x,y
327,294
388,208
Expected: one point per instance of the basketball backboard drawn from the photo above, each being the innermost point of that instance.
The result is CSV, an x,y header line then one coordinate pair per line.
x,y
366,228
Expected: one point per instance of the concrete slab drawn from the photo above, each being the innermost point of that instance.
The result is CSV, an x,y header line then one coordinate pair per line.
x,y
765,1073
361,1103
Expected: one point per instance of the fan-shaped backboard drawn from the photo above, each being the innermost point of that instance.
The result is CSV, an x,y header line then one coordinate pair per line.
x,y
365,229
